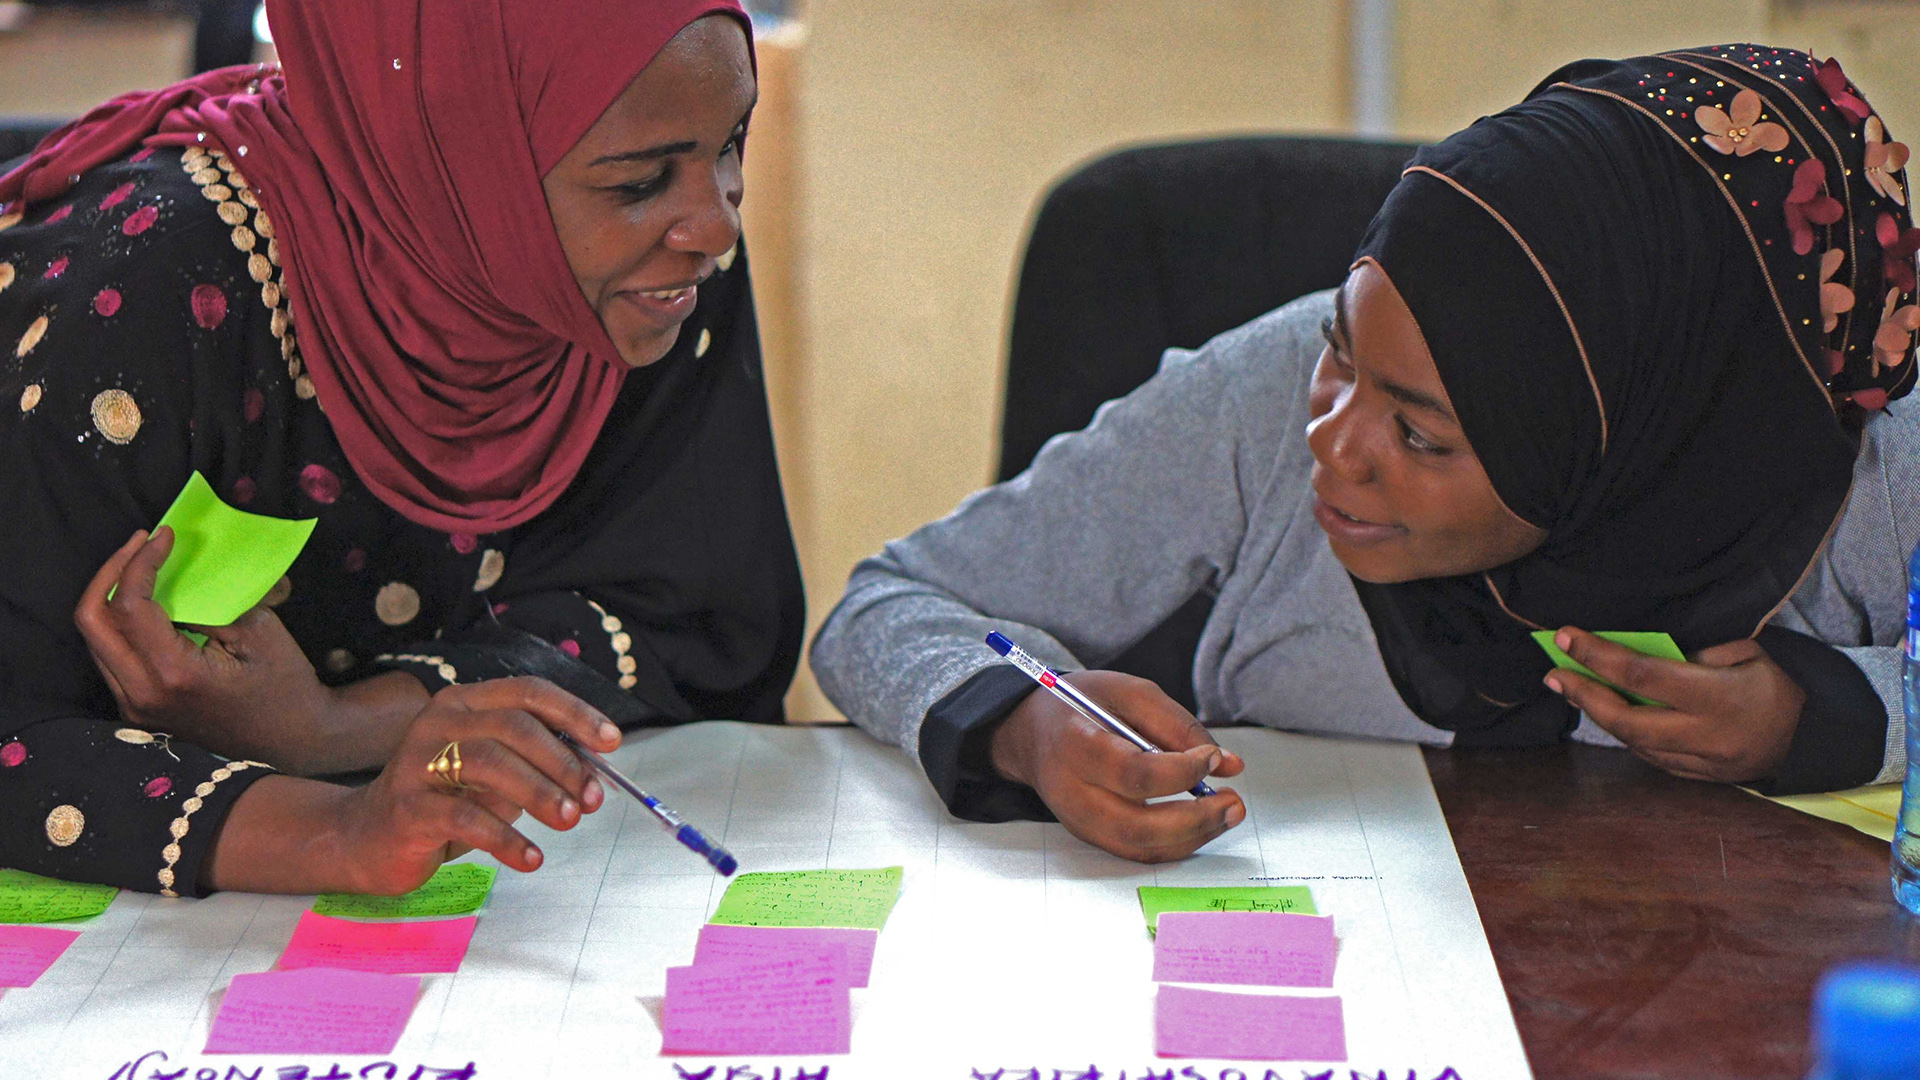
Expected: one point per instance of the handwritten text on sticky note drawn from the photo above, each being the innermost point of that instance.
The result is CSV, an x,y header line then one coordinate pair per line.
x,y
1259,1027
1155,899
30,898
313,1011
454,889
1248,948
850,898
791,1006
757,944
391,947
26,952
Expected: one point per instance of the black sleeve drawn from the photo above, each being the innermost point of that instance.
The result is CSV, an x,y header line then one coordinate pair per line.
x,y
1842,735
499,650
953,748
91,800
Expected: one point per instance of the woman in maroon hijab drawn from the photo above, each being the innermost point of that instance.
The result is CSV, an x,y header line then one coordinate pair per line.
x,y
464,283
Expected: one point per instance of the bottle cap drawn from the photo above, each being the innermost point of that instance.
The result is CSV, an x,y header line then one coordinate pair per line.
x,y
1866,1021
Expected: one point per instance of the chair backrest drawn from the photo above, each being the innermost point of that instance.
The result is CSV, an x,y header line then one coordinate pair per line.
x,y
19,135
1167,246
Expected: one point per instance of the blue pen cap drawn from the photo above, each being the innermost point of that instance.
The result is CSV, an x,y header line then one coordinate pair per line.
x,y
1866,1023
999,643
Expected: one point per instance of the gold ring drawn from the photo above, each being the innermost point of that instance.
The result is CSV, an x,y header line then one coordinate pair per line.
x,y
445,767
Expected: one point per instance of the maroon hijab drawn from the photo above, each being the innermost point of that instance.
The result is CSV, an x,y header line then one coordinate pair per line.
x,y
399,157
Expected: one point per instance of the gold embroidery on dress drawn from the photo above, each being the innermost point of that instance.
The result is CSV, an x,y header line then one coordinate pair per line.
x,y
438,663
620,642
64,825
179,827
238,207
116,416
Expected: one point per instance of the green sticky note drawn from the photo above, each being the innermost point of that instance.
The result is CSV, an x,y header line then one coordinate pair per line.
x,y
454,889
30,898
1157,899
224,560
1640,641
857,899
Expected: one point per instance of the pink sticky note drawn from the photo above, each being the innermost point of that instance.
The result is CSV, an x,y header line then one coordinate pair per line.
x,y
1252,948
1263,1027
392,947
788,1006
754,944
26,952
313,1011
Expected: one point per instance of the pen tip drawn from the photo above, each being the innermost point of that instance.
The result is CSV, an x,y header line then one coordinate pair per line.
x,y
998,642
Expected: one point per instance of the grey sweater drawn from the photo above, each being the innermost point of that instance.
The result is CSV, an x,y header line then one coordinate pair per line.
x,y
1198,480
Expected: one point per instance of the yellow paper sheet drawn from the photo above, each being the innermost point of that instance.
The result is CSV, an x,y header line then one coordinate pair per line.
x,y
1872,809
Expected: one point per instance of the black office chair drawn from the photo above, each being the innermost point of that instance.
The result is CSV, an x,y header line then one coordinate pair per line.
x,y
1167,246
19,135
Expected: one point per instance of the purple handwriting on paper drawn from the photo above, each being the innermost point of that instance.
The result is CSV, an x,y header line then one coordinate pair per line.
x,y
379,1070
26,952
1259,1027
1251,948
1188,1072
745,1073
392,947
752,944
788,1006
313,1011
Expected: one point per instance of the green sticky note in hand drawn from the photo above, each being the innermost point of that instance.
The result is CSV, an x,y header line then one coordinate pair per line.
x,y
1156,900
30,898
1646,642
856,899
454,889
224,560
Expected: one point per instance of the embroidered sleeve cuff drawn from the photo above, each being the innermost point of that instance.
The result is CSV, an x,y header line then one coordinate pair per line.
x,y
191,832
953,748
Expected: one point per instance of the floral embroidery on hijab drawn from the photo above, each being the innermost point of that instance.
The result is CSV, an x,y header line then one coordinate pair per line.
x,y
1897,251
1839,91
1808,204
1895,336
1884,158
1742,131
1835,299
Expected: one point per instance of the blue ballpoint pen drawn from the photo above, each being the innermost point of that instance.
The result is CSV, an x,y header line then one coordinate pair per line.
x,y
715,855
1078,701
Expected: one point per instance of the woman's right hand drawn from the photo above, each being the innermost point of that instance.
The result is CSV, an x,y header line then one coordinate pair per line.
x,y
397,830
1098,784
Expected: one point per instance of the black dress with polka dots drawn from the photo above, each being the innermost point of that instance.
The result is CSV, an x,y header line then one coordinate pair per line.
x,y
146,332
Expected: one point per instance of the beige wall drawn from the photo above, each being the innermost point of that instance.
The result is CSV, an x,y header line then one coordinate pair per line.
x,y
930,128
61,63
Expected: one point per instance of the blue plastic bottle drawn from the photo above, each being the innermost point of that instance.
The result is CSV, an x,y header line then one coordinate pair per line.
x,y
1866,1024
1906,837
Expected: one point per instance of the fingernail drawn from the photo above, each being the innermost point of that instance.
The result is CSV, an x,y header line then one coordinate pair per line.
x,y
1564,640
1213,762
1553,684
1235,815
608,731
569,809
533,856
593,795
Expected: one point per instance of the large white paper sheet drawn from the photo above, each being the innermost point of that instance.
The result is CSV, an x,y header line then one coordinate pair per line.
x,y
1016,951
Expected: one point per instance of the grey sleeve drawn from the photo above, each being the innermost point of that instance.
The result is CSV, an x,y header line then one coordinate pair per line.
x,y
1109,531
1855,596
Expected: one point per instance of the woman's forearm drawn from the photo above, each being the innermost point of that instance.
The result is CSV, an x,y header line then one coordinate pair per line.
x,y
283,836
364,727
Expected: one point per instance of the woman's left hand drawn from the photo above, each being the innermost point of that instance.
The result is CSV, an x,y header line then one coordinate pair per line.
x,y
1731,712
249,692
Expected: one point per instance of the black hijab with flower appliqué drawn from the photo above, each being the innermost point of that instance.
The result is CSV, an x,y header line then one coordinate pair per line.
x,y
1663,295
